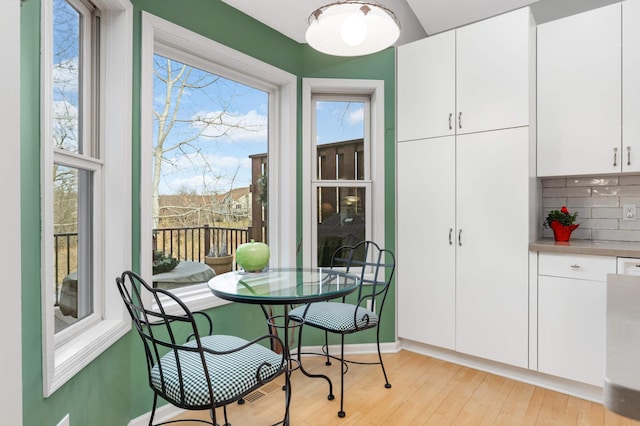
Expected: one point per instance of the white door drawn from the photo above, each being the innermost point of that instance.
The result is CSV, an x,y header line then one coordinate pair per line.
x,y
426,87
493,72
426,241
579,94
631,85
492,253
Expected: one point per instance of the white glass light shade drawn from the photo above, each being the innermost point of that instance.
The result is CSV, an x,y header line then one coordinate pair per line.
x,y
352,28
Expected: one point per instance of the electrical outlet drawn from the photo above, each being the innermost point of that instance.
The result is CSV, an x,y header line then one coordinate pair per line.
x,y
629,212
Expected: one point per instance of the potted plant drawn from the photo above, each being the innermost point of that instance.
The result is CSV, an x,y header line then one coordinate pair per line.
x,y
163,262
561,223
219,259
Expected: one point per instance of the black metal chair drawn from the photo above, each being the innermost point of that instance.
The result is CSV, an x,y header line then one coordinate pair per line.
x,y
190,369
375,268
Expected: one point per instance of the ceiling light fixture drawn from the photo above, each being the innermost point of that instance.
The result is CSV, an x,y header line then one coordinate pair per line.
x,y
352,28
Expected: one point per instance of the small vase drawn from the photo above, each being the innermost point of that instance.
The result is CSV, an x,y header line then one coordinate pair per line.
x,y
561,232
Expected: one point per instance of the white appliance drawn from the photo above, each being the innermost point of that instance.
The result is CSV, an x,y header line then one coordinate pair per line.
x,y
628,266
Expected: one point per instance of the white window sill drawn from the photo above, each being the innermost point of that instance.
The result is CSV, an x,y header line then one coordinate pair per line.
x,y
197,298
74,355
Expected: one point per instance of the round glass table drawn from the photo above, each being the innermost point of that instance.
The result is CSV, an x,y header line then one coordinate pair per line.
x,y
285,287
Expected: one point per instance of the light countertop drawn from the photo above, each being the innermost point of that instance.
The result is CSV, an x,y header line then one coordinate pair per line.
x,y
590,247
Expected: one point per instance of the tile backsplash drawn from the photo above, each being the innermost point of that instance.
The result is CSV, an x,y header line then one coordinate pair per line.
x,y
598,202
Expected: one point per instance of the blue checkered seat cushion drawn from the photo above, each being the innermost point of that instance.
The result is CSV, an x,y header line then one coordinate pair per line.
x,y
335,317
232,375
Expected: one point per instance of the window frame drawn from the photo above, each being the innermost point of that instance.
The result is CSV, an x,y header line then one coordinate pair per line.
x,y
65,355
323,88
166,38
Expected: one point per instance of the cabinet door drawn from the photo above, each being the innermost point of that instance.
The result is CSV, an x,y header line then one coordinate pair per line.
x,y
579,94
631,85
426,250
492,252
571,328
426,87
493,70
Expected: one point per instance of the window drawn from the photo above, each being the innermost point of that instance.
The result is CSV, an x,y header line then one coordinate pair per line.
x,y
213,121
341,184
343,167
76,163
83,248
210,141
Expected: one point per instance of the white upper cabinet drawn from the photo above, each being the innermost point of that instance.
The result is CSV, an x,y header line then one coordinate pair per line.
x,y
492,72
579,94
472,79
426,87
631,85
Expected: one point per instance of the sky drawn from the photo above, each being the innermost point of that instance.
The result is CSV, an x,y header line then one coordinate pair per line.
x,y
218,123
225,122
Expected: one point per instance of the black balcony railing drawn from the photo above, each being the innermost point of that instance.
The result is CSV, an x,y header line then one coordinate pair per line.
x,y
196,243
182,243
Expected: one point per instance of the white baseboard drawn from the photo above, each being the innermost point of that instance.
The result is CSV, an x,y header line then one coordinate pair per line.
x,y
569,387
163,414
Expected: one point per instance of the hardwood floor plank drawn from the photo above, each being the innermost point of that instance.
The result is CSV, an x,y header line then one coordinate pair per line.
x,y
515,407
425,391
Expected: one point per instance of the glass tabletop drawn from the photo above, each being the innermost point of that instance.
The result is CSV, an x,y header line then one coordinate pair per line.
x,y
283,285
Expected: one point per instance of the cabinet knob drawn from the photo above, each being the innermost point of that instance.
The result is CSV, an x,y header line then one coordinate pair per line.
x,y
575,266
450,233
459,120
628,155
450,117
460,237
615,157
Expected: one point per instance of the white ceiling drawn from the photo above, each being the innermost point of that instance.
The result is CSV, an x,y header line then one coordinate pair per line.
x,y
418,18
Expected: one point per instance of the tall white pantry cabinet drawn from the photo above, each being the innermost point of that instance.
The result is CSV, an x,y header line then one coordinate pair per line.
x,y
466,187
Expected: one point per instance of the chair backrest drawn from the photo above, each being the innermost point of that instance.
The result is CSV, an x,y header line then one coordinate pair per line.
x,y
162,332
374,266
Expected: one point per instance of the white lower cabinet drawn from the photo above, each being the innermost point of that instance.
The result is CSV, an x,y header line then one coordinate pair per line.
x,y
571,315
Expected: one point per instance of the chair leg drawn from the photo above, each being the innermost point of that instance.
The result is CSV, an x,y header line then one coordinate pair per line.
x,y
341,413
226,421
153,409
287,396
384,372
326,345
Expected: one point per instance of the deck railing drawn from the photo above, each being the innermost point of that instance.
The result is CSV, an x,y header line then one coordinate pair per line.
x,y
182,243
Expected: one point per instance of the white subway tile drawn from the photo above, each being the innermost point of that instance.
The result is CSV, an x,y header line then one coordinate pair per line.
x,y
630,180
596,202
606,213
554,183
566,192
588,181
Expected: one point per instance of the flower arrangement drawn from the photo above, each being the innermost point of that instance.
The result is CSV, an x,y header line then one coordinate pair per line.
x,y
562,216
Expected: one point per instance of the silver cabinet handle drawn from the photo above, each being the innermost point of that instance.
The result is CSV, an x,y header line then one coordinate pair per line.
x,y
575,266
615,157
628,155
460,237
450,232
459,120
450,117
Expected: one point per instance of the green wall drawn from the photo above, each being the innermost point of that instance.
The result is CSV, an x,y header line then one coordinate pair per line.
x,y
112,389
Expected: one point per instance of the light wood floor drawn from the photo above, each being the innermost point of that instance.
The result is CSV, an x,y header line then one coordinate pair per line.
x,y
425,391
